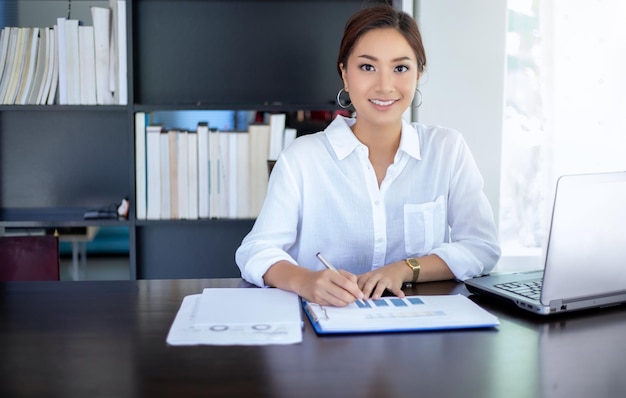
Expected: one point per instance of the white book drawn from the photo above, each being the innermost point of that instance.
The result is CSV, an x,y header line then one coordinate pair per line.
x,y
166,177
233,174
277,130
52,81
290,136
119,74
5,35
72,61
203,169
62,60
224,177
30,64
259,147
183,174
87,65
243,175
101,17
140,166
10,61
153,171
192,137
17,67
214,154
36,87
173,137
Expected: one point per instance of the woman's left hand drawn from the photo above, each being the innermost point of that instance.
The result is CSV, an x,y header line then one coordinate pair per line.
x,y
390,277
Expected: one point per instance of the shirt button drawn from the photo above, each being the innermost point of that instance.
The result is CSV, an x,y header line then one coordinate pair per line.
x,y
379,240
377,203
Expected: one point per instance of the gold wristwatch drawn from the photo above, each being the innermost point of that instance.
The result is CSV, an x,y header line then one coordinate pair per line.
x,y
415,266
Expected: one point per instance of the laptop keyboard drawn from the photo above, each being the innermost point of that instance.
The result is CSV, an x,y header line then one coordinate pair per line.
x,y
530,289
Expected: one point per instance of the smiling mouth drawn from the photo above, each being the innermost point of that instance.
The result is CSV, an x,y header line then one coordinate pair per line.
x,y
382,103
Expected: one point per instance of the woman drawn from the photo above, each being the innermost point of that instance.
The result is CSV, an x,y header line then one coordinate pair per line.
x,y
385,201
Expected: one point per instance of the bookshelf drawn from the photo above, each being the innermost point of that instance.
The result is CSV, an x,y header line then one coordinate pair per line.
x,y
56,161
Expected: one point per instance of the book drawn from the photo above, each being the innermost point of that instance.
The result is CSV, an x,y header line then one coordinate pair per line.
x,y
259,176
17,66
243,175
394,314
290,136
153,171
62,60
72,61
140,166
52,81
87,65
214,193
101,17
192,207
30,63
118,68
168,182
183,174
203,169
13,34
173,173
40,68
5,35
223,174
277,130
232,176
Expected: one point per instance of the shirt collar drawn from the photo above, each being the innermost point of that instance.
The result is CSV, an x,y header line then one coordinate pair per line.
x,y
343,141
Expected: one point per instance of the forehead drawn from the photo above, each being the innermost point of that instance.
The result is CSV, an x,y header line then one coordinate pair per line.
x,y
383,43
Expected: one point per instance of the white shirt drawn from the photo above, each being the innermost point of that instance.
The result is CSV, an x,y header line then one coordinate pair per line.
x,y
323,196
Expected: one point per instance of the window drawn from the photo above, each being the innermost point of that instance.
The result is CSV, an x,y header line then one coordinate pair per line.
x,y
565,107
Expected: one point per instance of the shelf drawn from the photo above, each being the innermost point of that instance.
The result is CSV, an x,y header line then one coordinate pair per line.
x,y
262,107
59,108
52,217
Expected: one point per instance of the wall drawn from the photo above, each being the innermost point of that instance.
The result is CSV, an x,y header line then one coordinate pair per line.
x,y
463,86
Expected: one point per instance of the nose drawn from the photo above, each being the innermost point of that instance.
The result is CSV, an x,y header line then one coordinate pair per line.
x,y
385,81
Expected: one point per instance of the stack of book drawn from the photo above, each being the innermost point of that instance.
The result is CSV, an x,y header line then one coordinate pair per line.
x,y
67,64
204,173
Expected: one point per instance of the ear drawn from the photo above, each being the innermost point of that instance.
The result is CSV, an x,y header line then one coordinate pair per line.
x,y
343,76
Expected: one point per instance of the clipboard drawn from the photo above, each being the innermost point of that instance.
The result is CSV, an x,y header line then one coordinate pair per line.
x,y
394,314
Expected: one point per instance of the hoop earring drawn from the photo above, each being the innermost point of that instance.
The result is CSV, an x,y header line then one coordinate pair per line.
x,y
417,92
346,104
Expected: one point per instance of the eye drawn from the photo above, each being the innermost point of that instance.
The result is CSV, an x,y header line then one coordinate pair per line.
x,y
401,68
367,68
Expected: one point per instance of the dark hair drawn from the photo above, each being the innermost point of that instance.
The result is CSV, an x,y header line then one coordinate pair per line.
x,y
380,16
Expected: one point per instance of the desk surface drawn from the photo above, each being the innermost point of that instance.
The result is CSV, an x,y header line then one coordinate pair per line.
x,y
107,339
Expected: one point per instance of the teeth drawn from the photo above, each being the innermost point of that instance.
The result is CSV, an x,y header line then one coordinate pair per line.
x,y
382,103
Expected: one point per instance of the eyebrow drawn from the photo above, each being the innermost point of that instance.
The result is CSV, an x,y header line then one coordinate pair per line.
x,y
372,58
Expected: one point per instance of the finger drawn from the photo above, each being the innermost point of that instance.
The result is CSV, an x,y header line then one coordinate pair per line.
x,y
348,282
379,290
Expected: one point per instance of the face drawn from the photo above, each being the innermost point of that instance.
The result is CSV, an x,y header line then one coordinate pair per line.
x,y
381,76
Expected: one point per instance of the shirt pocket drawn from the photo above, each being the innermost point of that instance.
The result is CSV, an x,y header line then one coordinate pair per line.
x,y
424,226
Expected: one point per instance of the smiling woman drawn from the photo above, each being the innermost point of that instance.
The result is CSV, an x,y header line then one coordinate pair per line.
x,y
387,201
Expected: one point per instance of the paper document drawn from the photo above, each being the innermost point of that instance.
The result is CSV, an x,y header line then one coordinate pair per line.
x,y
393,314
238,316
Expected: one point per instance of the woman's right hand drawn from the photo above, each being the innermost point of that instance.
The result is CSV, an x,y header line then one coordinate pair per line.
x,y
328,287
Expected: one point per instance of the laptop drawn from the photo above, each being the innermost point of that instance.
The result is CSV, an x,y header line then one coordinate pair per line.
x,y
585,257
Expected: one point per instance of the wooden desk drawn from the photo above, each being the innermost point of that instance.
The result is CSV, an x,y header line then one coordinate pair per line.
x,y
107,339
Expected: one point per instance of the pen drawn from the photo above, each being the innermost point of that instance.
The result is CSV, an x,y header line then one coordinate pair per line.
x,y
326,263
331,267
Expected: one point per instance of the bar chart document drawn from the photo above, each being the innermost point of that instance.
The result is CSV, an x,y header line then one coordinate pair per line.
x,y
394,314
